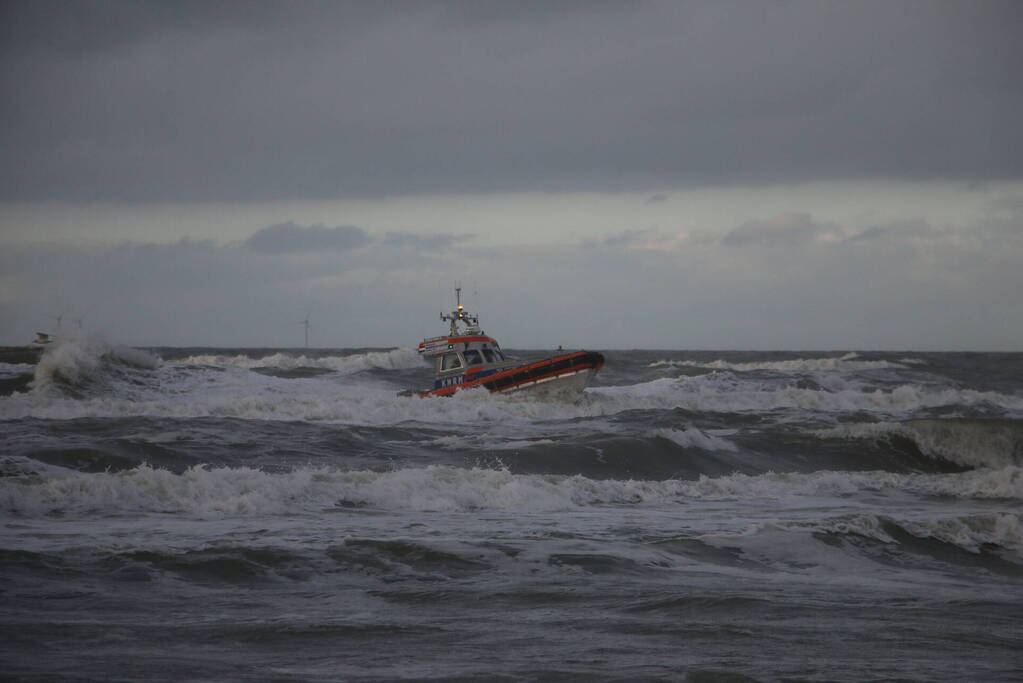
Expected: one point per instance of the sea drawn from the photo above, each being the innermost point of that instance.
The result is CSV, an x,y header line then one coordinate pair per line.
x,y
200,514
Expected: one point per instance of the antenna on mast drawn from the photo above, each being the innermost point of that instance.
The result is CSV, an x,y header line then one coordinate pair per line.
x,y
458,300
470,321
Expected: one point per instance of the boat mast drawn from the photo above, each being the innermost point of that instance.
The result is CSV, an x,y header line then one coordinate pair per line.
x,y
460,314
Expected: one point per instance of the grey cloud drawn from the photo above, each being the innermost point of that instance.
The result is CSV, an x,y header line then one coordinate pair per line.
x,y
901,230
870,234
424,242
657,198
629,238
290,238
788,230
264,100
867,295
80,28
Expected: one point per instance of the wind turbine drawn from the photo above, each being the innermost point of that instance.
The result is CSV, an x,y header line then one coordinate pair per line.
x,y
79,320
58,318
306,324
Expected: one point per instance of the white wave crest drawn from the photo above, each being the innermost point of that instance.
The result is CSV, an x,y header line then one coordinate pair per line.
x,y
845,363
694,438
395,359
974,532
724,394
16,368
974,443
226,492
180,391
78,359
969,532
776,543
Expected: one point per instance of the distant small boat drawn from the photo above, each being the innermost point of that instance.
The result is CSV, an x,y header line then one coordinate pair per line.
x,y
42,339
466,357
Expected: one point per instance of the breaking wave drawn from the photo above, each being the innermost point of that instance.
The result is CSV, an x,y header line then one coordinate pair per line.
x,y
777,544
694,438
396,359
970,442
721,393
72,364
10,369
242,491
848,362
251,396
970,532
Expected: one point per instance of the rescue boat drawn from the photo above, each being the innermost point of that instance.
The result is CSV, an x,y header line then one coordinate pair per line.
x,y
466,357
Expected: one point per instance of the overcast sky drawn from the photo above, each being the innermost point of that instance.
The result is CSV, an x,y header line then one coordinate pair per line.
x,y
770,174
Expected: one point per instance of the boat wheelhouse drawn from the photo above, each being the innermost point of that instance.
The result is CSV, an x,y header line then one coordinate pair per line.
x,y
466,357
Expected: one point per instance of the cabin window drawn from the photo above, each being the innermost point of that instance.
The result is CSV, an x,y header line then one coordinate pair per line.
x,y
450,361
489,355
497,352
472,357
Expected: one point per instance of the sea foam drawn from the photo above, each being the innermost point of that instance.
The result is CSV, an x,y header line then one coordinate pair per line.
x,y
241,491
395,359
177,391
846,363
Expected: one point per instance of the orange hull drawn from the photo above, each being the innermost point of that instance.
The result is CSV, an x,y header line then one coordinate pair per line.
x,y
525,375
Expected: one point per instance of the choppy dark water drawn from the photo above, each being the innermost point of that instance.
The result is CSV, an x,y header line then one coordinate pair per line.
x,y
222,514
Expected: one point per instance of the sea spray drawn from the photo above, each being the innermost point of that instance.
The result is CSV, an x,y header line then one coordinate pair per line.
x,y
83,362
